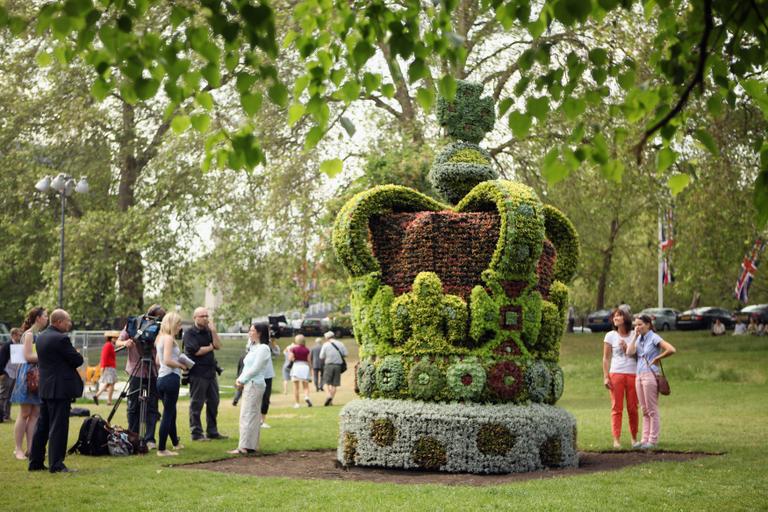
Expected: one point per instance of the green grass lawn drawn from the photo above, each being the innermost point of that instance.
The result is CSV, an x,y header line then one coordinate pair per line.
x,y
719,403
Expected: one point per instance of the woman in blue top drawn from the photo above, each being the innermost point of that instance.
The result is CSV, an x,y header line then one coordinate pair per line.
x,y
650,349
251,381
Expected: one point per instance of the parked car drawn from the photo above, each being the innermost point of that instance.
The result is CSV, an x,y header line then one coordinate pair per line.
x,y
600,320
703,318
279,326
757,311
341,325
314,326
664,319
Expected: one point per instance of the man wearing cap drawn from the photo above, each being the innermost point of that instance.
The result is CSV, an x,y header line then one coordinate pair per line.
x,y
332,355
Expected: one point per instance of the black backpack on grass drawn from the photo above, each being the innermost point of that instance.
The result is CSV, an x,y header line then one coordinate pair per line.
x,y
93,438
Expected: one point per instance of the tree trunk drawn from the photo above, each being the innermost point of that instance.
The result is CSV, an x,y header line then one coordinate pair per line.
x,y
130,271
607,258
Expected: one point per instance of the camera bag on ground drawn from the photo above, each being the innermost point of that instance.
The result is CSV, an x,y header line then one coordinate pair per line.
x,y
123,442
93,437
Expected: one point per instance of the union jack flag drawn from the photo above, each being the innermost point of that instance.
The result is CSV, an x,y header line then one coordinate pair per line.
x,y
667,235
748,270
667,276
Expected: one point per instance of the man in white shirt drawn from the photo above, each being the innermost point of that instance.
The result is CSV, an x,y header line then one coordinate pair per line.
x,y
332,354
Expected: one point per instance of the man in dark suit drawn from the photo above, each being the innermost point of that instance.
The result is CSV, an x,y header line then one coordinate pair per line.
x,y
60,384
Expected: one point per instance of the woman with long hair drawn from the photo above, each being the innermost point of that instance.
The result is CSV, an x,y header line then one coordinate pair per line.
x,y
650,350
28,400
251,382
170,364
269,372
619,375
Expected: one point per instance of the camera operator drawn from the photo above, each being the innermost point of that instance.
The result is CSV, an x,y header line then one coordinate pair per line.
x,y
135,353
199,343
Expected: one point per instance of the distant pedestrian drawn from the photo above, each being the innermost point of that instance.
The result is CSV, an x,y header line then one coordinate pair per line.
x,y
287,365
332,354
108,364
8,372
571,318
317,364
300,370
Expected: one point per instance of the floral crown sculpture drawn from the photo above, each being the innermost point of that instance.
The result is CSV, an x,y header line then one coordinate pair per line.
x,y
459,313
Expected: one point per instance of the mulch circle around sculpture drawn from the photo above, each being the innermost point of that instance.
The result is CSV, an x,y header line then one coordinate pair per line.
x,y
323,465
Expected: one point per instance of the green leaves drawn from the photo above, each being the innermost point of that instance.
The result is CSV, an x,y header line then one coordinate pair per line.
x,y
552,169
180,123
707,141
295,112
757,91
573,108
664,158
537,107
760,198
278,93
251,103
519,123
331,167
677,182
425,97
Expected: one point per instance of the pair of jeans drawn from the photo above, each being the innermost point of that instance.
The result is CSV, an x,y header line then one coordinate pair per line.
x,y
168,388
203,391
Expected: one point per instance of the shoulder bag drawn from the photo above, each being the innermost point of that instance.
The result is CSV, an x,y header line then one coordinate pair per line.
x,y
661,380
343,361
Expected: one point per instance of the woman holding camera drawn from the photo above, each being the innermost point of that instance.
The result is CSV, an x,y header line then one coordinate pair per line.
x,y
252,383
170,364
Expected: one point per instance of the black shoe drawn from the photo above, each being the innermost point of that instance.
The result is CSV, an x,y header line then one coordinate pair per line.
x,y
217,436
309,402
199,438
64,470
95,400
234,402
328,401
38,468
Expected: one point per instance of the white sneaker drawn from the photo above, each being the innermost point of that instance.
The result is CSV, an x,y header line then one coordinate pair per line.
x,y
265,425
151,446
296,406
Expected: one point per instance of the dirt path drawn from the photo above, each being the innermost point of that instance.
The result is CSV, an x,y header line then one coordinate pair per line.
x,y
323,465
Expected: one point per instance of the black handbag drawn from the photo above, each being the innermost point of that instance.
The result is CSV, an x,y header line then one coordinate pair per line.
x,y
343,361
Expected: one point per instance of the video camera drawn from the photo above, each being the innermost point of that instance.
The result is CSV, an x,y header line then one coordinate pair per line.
x,y
143,330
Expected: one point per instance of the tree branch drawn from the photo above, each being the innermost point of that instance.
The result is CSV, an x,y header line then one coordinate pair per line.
x,y
698,79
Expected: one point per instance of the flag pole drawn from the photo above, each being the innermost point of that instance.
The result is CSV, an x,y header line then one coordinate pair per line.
x,y
661,266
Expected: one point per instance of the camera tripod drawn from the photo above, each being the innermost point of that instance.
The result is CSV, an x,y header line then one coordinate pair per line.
x,y
144,370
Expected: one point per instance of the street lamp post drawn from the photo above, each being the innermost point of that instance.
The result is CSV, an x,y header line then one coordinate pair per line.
x,y
64,185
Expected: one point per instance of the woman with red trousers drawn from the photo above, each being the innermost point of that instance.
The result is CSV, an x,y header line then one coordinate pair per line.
x,y
619,370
